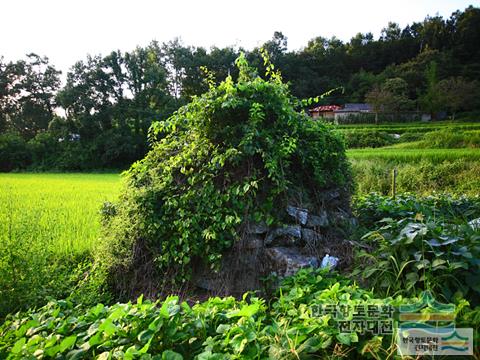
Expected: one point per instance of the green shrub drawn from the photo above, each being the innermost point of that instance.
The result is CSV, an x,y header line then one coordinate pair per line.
x,y
14,153
237,153
363,139
451,138
292,324
419,244
290,327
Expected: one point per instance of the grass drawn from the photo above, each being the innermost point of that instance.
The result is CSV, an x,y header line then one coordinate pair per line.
x,y
438,156
60,210
414,126
422,177
49,225
414,155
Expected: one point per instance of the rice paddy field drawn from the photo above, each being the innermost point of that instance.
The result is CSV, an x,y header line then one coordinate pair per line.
x,y
400,155
428,157
60,211
419,127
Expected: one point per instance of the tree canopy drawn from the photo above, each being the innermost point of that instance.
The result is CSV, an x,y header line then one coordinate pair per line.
x,y
100,116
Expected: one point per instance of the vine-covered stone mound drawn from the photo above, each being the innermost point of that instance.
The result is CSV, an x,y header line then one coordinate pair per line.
x,y
238,184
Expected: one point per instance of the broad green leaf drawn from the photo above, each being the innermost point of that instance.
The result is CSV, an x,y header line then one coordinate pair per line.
x,y
171,355
18,346
67,343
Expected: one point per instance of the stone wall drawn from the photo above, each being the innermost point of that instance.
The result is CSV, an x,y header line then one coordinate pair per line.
x,y
301,241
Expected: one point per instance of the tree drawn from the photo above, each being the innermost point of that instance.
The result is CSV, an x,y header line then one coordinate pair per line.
x,y
431,100
391,33
176,59
277,47
360,84
391,96
3,95
458,94
379,99
27,95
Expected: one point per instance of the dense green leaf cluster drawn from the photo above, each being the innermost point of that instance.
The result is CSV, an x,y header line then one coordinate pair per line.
x,y
226,328
289,326
236,154
363,139
419,244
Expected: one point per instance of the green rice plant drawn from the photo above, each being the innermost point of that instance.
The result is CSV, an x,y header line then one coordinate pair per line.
x,y
60,211
48,226
412,127
458,176
414,155
363,139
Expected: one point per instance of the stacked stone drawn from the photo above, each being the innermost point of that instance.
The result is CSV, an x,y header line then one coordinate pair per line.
x,y
283,250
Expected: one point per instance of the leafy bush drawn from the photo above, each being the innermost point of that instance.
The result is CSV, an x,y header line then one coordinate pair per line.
x,y
421,244
288,328
235,154
449,139
363,139
372,208
169,330
290,324
14,153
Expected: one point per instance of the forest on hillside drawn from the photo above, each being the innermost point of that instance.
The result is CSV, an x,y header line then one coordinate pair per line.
x,y
100,117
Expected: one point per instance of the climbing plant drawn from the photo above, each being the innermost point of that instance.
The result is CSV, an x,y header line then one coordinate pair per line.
x,y
231,156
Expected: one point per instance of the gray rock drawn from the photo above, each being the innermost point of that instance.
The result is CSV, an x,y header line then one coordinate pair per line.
x,y
294,231
300,215
257,228
318,220
329,262
332,194
311,237
252,243
287,261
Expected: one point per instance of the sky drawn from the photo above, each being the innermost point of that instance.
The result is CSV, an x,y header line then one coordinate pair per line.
x,y
67,30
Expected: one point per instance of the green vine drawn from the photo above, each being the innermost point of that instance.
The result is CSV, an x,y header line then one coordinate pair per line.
x,y
232,155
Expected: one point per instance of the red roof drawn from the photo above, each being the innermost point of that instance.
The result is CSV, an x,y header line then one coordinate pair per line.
x,y
324,108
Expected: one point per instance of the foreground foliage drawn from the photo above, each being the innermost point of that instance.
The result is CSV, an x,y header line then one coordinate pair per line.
x,y
416,244
286,327
216,329
407,245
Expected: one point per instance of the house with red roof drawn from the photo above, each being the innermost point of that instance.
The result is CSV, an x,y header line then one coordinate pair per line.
x,y
325,111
